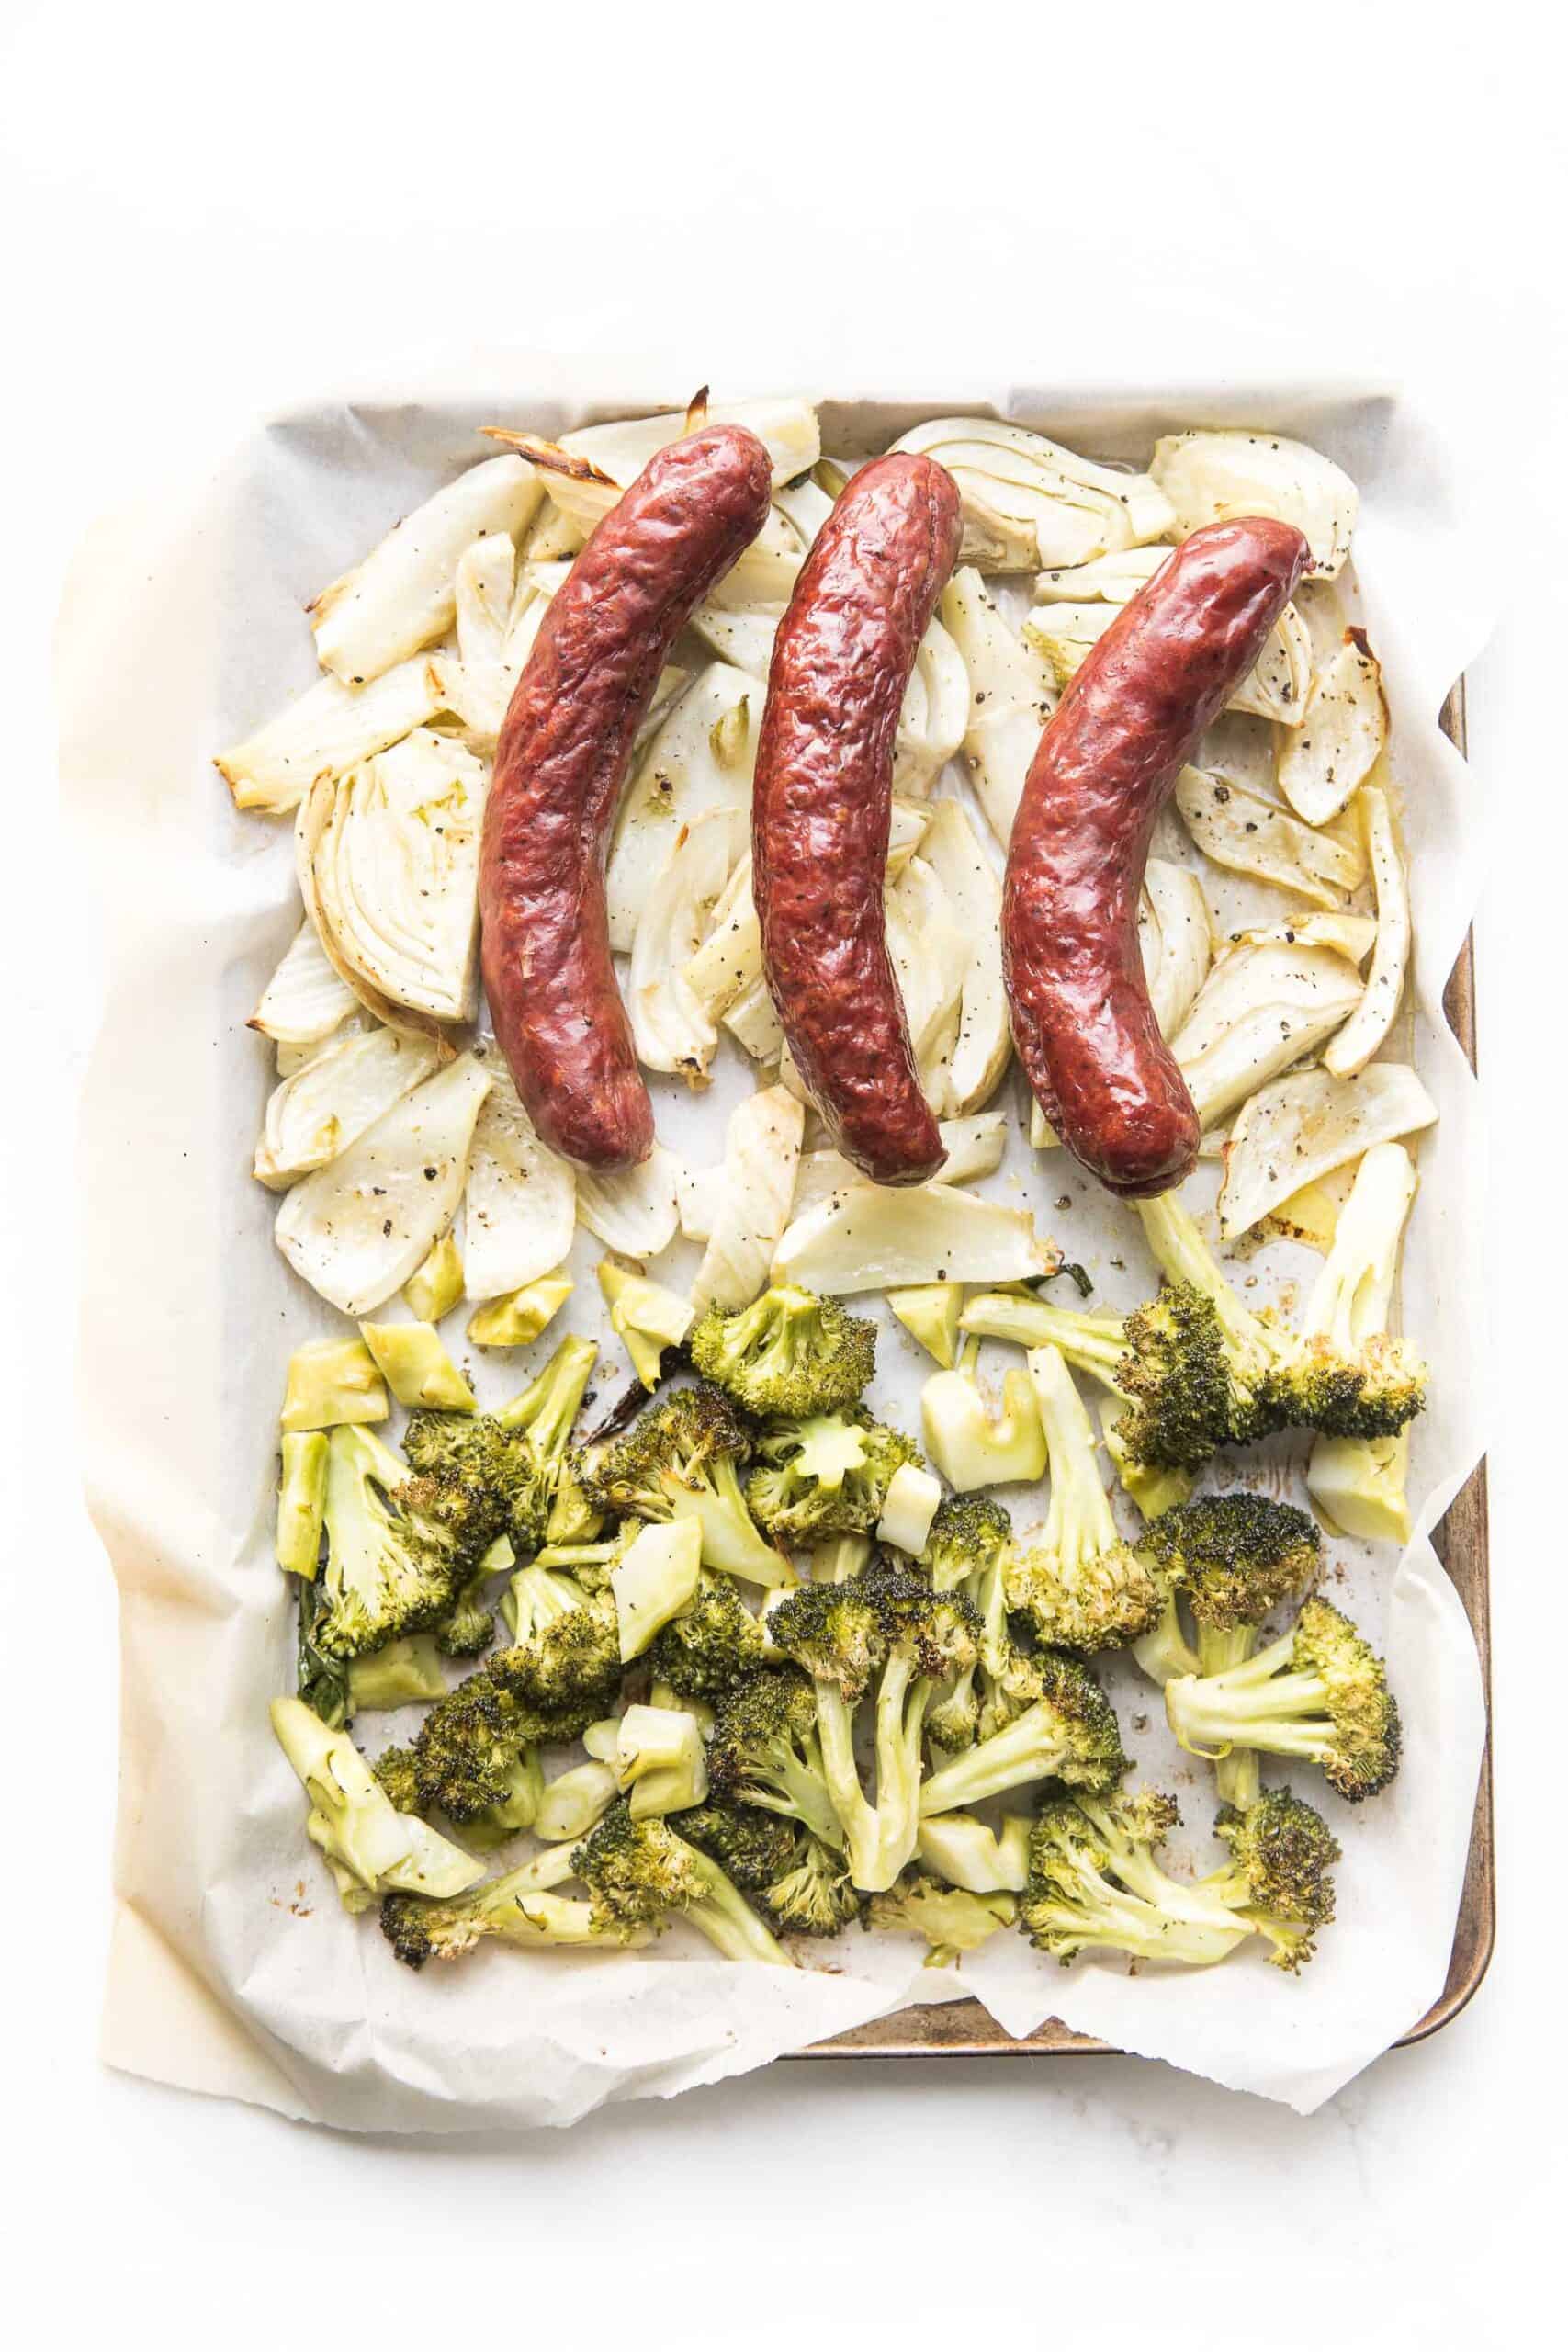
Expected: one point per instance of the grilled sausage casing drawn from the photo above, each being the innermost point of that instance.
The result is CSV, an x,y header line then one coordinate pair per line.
x,y
560,765
1082,1021
822,803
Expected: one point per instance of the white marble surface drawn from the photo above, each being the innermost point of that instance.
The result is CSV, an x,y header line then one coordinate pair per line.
x,y
210,211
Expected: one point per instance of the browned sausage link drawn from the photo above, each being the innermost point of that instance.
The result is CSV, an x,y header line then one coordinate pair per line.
x,y
560,765
822,804
1081,1018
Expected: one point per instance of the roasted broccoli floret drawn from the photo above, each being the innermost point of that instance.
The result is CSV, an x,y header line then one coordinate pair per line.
x,y
1068,1734
568,1669
514,1908
574,1516
468,1625
766,1750
1229,1559
952,1920
1319,1692
1165,1364
789,1353
800,1883
397,1768
682,1460
1252,1345
1345,1374
1094,1885
711,1646
540,1423
888,1629
969,1535
398,1548
968,1550
827,1475
470,1748
473,1454
1281,1875
1081,1588
642,1873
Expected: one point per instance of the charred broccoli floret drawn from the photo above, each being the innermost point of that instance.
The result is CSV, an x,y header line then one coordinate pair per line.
x,y
473,1454
1281,1875
1345,1374
827,1475
711,1646
1319,1692
800,1883
642,1873
1081,1588
1068,1734
968,1550
890,1629
952,1920
682,1460
1094,1885
468,1626
398,1548
789,1353
766,1750
397,1768
1229,1559
516,1909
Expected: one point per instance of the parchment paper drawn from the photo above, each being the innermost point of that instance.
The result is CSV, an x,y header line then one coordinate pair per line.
x,y
233,1970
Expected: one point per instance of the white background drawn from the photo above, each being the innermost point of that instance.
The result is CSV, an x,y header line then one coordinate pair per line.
x,y
208,211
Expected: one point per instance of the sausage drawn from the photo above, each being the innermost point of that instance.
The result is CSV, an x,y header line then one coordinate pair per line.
x,y
561,762
822,803
1081,1018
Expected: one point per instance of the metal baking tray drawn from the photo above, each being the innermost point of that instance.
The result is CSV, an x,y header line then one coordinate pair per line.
x,y
964,2030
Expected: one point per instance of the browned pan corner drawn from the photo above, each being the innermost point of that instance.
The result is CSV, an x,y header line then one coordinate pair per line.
x,y
964,2030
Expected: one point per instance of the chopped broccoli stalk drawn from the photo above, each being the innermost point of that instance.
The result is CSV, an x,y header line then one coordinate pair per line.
x,y
1358,1483
838,1557
331,1384
910,1504
433,1290
951,1918
789,1352
1094,1885
827,1475
1280,1874
887,1627
402,1674
682,1460
966,1852
1068,1734
659,1760
642,1874
929,1312
416,1367
654,1580
573,1801
647,1317
1345,1374
397,1548
712,1646
1319,1692
301,1502
518,1319
368,1844
512,1909
970,1445
766,1750
1081,1588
